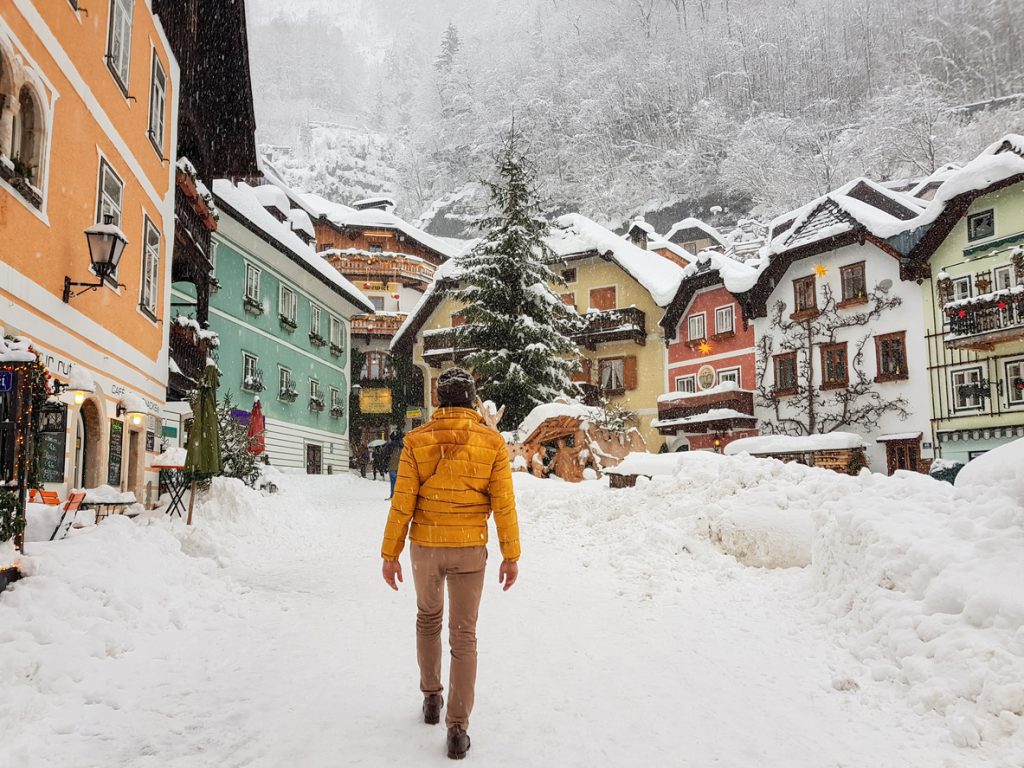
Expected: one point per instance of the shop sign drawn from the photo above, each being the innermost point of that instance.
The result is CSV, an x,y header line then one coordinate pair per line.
x,y
375,400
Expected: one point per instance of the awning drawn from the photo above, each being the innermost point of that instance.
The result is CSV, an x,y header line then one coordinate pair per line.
x,y
898,436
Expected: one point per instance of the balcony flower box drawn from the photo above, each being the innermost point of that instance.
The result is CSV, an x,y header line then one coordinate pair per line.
x,y
337,411
287,322
317,340
289,395
17,174
337,350
252,306
316,404
253,383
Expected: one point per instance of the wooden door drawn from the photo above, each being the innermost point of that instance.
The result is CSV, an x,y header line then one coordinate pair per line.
x,y
902,454
314,459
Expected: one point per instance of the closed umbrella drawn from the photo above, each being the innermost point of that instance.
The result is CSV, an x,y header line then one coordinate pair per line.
x,y
203,456
257,429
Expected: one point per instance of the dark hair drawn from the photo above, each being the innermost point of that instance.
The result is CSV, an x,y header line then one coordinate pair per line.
x,y
456,389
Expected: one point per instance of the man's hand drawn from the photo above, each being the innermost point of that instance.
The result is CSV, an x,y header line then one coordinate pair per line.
x,y
393,568
507,574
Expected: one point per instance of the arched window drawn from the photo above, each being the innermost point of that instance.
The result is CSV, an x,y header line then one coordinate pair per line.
x,y
6,108
377,367
28,136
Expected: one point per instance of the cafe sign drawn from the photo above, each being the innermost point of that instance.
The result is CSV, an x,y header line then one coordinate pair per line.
x,y
375,400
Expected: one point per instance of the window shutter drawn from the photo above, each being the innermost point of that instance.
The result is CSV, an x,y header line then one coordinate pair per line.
x,y
583,377
629,372
434,402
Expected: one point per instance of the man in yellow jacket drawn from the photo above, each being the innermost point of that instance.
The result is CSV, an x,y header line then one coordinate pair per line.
x,y
453,473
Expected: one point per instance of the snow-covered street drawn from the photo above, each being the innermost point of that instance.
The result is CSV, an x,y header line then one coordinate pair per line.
x,y
270,639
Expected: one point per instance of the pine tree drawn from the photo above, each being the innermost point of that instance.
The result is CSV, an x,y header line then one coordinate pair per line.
x,y
237,460
513,319
450,45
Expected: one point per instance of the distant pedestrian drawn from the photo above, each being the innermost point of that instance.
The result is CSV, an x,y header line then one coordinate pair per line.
x,y
377,462
362,458
394,453
453,473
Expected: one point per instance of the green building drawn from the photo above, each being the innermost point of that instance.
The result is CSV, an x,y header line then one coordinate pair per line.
x,y
282,315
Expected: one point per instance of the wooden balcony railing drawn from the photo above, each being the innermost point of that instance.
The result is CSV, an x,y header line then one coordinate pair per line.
x,y
383,268
377,325
694,405
442,345
628,323
189,353
981,324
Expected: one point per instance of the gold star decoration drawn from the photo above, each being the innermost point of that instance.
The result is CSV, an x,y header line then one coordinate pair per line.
x,y
821,270
704,348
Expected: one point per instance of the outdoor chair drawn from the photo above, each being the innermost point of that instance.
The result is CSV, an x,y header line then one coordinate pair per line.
x,y
43,497
72,505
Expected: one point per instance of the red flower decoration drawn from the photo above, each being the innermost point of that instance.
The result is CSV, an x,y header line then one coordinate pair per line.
x,y
1002,305
963,313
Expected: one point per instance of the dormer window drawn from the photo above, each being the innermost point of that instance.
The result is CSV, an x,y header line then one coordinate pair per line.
x,y
981,225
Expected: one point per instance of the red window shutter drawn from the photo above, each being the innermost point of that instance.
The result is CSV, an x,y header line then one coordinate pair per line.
x,y
583,377
602,298
629,372
569,298
434,402
457,320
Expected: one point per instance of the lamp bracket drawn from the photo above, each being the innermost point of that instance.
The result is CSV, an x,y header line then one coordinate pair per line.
x,y
68,283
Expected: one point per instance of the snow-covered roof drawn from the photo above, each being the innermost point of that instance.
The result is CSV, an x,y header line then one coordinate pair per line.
x,y
243,201
542,413
693,223
712,414
301,222
272,196
737,276
640,223
17,351
718,389
770,444
345,216
576,234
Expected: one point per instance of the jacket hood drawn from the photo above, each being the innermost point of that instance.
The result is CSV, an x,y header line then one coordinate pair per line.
x,y
458,413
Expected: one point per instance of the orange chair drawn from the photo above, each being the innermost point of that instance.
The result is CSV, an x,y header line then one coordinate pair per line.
x,y
45,497
72,505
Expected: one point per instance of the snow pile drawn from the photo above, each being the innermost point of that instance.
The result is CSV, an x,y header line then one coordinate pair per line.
x,y
16,351
833,441
107,494
995,474
172,457
8,554
652,464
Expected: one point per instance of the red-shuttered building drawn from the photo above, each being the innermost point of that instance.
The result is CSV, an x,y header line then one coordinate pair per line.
x,y
709,397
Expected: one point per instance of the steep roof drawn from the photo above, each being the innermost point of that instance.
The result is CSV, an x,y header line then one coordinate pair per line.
x,y
709,268
242,203
683,231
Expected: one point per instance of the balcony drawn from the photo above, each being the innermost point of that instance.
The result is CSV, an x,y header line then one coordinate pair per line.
x,y
626,324
698,413
982,324
383,325
188,354
441,345
382,268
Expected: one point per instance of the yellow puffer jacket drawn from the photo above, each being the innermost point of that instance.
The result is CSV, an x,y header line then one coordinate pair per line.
x,y
453,473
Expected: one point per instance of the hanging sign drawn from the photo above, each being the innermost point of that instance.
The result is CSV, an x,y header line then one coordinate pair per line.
x,y
375,400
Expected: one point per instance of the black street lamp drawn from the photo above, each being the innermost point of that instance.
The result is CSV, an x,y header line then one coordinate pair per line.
x,y
106,244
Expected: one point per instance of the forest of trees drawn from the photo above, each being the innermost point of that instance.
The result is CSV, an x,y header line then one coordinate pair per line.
x,y
635,104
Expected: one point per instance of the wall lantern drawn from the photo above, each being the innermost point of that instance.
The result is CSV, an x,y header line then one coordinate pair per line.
x,y
134,410
80,385
106,244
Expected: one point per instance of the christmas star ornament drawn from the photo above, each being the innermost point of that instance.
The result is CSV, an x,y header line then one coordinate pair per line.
x,y
963,313
704,348
821,270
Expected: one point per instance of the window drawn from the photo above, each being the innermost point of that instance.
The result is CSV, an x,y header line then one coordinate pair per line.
x,y
314,319
729,374
805,294
378,302
26,146
1002,278
376,249
119,41
286,386
834,371
785,373
286,305
335,333
686,383
695,327
252,283
157,105
376,367
569,275
725,320
967,389
335,398
1015,382
981,225
891,356
252,376
962,288
602,298
109,201
150,270
314,390
612,374
852,278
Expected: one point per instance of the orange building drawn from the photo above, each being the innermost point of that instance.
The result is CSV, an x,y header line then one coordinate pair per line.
x,y
88,108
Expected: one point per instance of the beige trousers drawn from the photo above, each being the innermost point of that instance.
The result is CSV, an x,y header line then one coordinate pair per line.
x,y
463,569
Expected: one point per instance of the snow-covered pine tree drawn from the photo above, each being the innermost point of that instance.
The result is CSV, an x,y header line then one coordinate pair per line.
x,y
517,324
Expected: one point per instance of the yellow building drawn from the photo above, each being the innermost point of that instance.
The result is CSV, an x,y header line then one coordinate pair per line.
x,y
87,115
618,288
974,303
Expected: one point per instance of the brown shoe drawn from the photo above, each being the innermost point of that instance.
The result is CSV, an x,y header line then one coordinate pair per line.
x,y
458,742
432,704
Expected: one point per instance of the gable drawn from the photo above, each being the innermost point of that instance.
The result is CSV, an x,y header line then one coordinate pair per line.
x,y
827,219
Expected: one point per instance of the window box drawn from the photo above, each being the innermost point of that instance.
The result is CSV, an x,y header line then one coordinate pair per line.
x,y
252,306
856,301
18,175
288,322
884,377
288,395
253,382
784,391
317,340
723,335
337,350
337,411
316,404
805,314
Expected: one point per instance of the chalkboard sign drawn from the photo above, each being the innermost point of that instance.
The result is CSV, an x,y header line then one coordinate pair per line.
x,y
116,450
150,441
51,458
